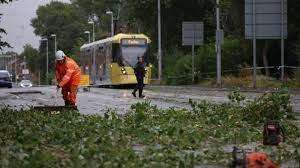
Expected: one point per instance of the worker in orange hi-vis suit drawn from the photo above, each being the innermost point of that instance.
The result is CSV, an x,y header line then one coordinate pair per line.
x,y
68,77
259,160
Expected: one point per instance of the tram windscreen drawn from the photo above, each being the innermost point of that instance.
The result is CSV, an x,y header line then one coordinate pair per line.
x,y
130,54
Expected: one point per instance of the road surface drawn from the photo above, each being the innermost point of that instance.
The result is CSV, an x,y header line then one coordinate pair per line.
x,y
99,100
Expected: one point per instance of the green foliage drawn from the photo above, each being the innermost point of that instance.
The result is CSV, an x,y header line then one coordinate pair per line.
x,y
3,43
2,31
236,96
64,20
33,58
69,21
179,70
145,137
294,34
5,1
269,106
36,62
172,17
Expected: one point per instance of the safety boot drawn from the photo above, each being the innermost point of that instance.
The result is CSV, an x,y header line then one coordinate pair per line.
x,y
67,103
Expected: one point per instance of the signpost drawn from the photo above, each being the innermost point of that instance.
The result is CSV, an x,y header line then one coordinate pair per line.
x,y
192,34
25,71
266,19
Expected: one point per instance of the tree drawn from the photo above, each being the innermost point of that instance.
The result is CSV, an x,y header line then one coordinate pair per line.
x,y
96,10
2,31
3,43
293,42
69,21
174,12
5,1
32,58
64,20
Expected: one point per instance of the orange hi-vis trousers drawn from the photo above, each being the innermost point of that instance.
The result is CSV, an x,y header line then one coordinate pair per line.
x,y
69,93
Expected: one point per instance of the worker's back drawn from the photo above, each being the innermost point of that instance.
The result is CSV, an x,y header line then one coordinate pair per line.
x,y
70,68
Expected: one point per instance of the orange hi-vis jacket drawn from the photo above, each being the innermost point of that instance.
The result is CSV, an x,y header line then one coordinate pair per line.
x,y
67,73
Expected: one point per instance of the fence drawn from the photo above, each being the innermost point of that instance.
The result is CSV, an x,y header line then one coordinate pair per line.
x,y
242,77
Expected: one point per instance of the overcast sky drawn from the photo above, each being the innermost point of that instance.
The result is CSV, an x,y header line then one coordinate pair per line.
x,y
16,21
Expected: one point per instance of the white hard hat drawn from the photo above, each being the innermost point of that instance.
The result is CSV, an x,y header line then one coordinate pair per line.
x,y
59,55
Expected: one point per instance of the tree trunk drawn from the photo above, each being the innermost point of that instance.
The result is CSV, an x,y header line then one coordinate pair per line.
x,y
265,52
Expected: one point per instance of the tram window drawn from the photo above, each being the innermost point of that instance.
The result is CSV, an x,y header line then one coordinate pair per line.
x,y
88,50
116,52
147,55
131,53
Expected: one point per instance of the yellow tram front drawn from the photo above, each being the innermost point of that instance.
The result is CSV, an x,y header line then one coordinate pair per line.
x,y
111,61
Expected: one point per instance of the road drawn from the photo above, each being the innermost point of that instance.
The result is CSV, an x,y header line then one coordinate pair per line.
x,y
99,100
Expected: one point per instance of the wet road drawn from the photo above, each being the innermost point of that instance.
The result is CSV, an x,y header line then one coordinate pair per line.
x,y
99,100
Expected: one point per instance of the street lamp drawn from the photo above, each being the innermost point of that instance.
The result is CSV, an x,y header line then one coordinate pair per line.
x,y
55,44
218,44
159,40
112,21
94,59
93,23
47,59
89,35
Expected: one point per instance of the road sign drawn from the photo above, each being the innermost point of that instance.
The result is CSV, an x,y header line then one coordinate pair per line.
x,y
25,71
266,19
192,33
267,15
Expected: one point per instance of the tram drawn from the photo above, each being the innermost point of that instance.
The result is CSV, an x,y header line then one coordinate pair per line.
x,y
111,61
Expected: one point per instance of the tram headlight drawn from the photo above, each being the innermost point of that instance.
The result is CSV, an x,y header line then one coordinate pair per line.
x,y
123,71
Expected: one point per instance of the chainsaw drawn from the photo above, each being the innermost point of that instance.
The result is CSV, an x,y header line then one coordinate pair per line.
x,y
273,133
250,159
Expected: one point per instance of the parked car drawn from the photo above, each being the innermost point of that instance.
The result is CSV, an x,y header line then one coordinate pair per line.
x,y
25,83
5,79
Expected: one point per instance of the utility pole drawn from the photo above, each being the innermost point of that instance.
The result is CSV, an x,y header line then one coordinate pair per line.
x,y
254,42
89,35
47,59
55,43
282,41
218,45
159,42
47,66
15,68
94,58
39,77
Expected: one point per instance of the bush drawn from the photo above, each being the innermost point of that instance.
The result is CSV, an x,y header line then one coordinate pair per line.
x,y
179,65
269,106
145,137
